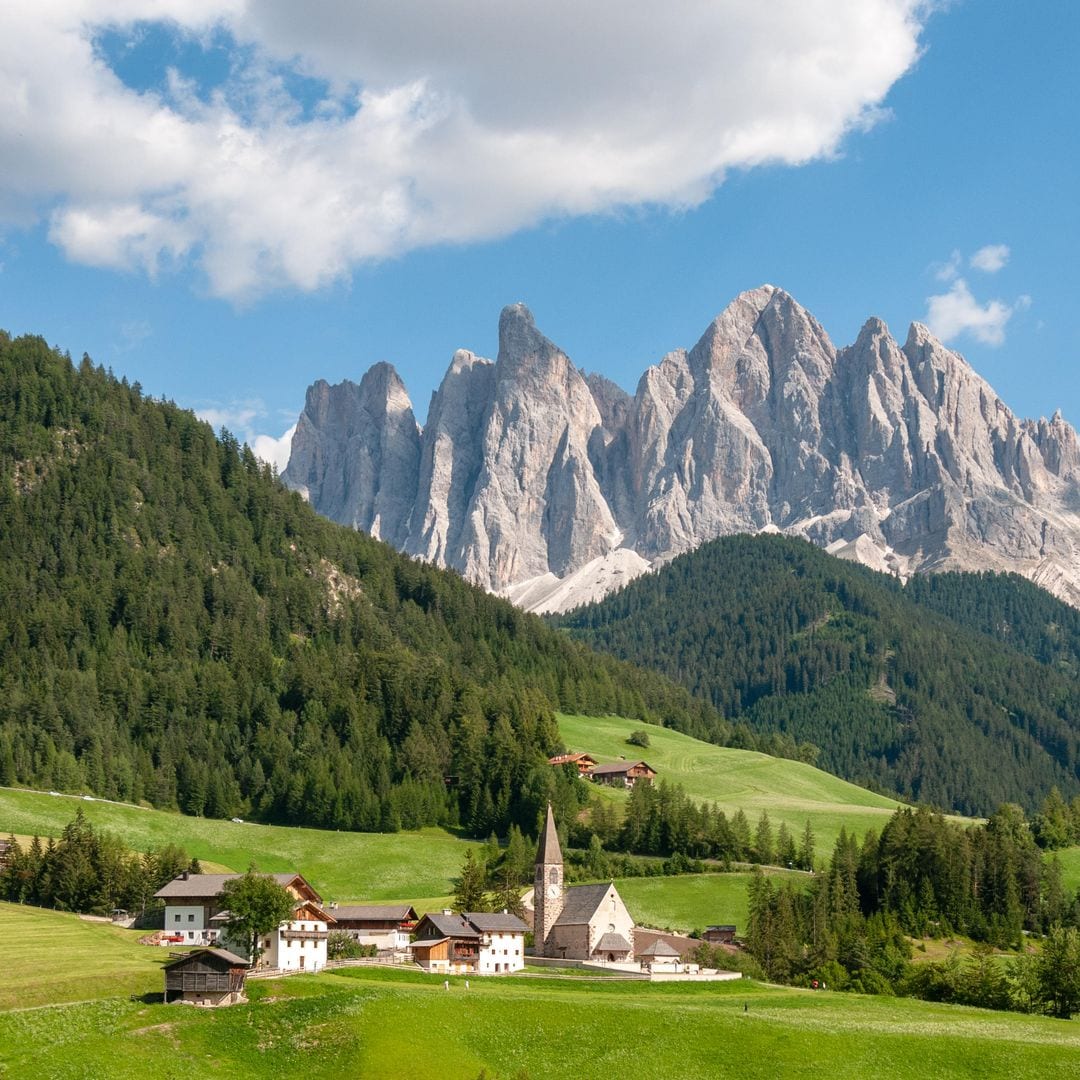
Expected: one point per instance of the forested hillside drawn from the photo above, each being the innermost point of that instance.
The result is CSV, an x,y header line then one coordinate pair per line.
x,y
177,627
958,690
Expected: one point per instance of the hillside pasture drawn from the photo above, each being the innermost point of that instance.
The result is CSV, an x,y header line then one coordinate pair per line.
x,y
343,866
791,791
382,1026
51,957
693,901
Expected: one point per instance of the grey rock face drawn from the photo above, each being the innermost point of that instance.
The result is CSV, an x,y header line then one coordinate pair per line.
x,y
529,471
356,452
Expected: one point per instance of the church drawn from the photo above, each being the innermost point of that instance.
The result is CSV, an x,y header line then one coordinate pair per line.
x,y
582,922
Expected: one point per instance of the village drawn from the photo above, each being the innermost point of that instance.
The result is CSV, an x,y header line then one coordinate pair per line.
x,y
577,926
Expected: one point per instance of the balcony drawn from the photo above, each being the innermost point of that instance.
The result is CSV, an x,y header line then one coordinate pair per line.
x,y
304,935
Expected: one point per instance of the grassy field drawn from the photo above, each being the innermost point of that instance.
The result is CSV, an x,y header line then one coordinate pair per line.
x,y
1070,867
342,866
738,779
384,1026
51,957
692,901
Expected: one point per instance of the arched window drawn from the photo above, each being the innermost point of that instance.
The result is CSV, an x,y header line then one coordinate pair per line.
x,y
553,876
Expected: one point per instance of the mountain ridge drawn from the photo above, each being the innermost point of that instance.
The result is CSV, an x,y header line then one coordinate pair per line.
x,y
553,486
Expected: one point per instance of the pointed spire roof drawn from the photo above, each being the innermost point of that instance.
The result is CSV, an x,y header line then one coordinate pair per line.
x,y
547,849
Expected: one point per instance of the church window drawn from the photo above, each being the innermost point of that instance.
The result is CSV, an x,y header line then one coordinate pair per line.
x,y
553,877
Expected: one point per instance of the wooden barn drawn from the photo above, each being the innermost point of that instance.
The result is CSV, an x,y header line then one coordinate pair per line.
x,y
623,773
206,977
720,935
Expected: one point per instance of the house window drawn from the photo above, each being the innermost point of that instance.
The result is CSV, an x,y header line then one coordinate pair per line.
x,y
191,918
177,918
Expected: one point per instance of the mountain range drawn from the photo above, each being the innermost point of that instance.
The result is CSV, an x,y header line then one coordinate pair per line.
x,y
553,486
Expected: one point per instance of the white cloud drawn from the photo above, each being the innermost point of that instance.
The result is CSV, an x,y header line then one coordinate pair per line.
x,y
443,122
957,312
949,270
274,451
990,259
237,417
242,418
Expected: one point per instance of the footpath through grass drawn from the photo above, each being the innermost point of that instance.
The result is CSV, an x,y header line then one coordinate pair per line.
x,y
382,1027
343,866
790,791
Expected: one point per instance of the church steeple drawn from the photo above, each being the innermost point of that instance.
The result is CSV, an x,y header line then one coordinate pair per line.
x,y
548,896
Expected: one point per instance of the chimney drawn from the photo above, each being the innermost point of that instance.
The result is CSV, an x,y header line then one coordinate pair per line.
x,y
184,876
447,911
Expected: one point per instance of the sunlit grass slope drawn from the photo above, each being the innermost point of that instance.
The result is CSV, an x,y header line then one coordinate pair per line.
x,y
52,956
738,779
693,901
383,1028
341,865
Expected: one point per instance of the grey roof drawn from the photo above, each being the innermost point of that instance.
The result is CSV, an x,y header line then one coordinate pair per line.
x,y
450,925
615,768
721,926
487,921
547,848
221,954
581,903
613,943
373,912
659,948
200,885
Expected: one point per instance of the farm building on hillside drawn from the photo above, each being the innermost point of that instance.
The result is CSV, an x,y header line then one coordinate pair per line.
x,y
386,926
624,773
193,916
206,977
720,935
483,943
585,762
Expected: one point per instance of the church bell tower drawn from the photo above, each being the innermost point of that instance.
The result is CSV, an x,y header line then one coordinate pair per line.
x,y
548,892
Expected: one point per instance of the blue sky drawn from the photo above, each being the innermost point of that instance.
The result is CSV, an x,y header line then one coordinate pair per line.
x,y
225,200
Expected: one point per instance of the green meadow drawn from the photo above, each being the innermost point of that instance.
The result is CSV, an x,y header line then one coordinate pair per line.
x,y
385,1026
692,901
790,791
343,866
51,957
1070,866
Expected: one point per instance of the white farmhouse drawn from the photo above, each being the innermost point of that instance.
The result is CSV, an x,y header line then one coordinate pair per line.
x,y
193,916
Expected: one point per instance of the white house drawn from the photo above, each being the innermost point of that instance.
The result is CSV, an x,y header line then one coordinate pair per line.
x,y
193,916
482,942
386,926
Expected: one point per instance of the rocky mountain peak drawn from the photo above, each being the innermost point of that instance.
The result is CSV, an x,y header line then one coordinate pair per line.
x,y
534,478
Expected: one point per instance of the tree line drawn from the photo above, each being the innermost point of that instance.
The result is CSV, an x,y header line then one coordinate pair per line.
x,y
88,870
852,925
955,690
178,629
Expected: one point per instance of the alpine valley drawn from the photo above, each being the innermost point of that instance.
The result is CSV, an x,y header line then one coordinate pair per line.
x,y
555,487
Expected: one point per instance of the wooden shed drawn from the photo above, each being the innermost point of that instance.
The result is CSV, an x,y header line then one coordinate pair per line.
x,y
206,977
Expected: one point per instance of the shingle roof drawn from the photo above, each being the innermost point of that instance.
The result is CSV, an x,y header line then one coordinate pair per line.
x,y
488,921
547,849
613,943
221,954
450,925
616,768
198,885
659,948
374,912
581,903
